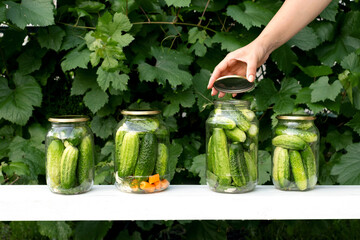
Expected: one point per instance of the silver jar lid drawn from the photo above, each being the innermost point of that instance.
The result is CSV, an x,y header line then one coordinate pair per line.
x,y
233,84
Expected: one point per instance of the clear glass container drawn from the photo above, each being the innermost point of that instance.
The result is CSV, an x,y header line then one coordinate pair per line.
x,y
69,155
295,155
231,147
142,152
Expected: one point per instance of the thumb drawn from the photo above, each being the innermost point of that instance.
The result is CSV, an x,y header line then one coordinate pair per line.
x,y
251,71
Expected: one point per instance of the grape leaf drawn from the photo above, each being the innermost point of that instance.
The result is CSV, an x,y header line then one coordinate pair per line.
x,y
91,230
83,80
348,169
306,39
35,12
199,48
198,167
264,92
322,90
76,58
2,12
73,38
167,68
249,14
206,230
324,30
18,168
118,81
264,165
30,59
304,96
283,101
185,99
55,229
329,13
339,141
351,62
229,41
175,151
51,37
103,127
23,151
178,3
95,99
203,95
315,71
354,123
16,105
196,35
284,58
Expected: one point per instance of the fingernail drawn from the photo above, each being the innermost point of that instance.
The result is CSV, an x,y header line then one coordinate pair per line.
x,y
251,78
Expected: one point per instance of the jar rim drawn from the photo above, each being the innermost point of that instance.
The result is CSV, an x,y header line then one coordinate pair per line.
x,y
69,119
140,112
296,117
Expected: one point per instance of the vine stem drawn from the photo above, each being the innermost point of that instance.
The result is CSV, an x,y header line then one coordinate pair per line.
x,y
206,6
175,23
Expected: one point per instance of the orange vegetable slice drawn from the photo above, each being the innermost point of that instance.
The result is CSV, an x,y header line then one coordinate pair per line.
x,y
164,184
154,178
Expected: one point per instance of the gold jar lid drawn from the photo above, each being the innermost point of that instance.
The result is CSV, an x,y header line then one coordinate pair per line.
x,y
140,112
69,119
295,117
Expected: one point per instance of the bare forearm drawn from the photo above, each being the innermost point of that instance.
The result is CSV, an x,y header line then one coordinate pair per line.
x,y
289,20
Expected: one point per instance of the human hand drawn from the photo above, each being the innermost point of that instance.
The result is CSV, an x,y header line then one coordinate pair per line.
x,y
243,61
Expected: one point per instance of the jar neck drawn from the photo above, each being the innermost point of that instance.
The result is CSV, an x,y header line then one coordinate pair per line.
x,y
63,124
230,104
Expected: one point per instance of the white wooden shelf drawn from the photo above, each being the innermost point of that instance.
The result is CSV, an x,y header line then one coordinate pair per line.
x,y
178,202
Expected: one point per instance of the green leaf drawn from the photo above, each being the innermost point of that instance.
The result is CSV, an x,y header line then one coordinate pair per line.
x,y
167,68
37,133
95,99
339,141
76,59
16,105
354,123
315,71
73,37
284,58
178,3
196,35
91,7
83,80
18,168
51,37
249,14
264,165
103,127
55,230
23,151
304,96
348,169
283,101
35,12
91,230
329,13
324,30
264,92
198,167
306,39
206,230
2,12
229,41
351,62
185,99
30,60
322,90
203,95
118,81
175,151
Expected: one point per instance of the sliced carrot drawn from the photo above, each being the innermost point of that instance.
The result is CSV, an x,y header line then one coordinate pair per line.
x,y
154,178
135,188
147,187
164,184
157,185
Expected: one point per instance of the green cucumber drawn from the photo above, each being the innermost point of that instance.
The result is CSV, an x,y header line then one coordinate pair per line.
x,y
251,166
310,166
253,131
53,158
236,135
143,125
120,133
86,160
298,170
305,135
210,156
147,156
69,161
129,151
162,159
281,167
221,122
222,164
248,114
289,142
238,168
76,136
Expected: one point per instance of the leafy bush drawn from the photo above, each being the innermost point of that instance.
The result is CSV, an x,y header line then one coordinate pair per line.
x,y
97,57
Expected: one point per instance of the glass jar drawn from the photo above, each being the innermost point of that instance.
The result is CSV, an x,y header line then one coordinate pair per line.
x,y
231,147
295,156
142,152
69,155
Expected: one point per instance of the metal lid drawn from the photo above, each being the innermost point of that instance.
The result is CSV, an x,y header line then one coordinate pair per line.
x,y
233,84
296,117
69,119
140,112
